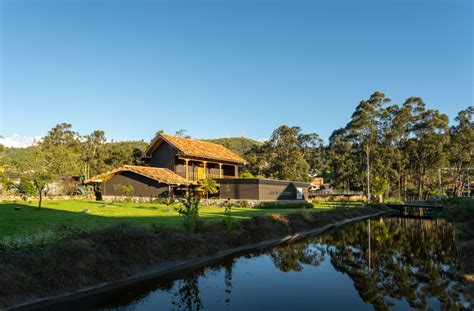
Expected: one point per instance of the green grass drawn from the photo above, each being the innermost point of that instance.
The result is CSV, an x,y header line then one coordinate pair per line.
x,y
31,220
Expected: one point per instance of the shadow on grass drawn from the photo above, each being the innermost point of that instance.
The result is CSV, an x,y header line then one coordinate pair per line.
x,y
30,219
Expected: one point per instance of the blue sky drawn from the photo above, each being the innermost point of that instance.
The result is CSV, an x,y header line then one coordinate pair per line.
x,y
225,68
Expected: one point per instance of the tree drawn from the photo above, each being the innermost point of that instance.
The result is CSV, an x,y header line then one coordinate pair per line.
x,y
461,149
207,186
426,151
342,161
257,160
285,156
364,126
40,180
93,153
25,188
379,187
182,133
313,152
62,150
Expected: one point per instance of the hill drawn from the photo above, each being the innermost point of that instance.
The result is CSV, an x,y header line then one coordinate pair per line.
x,y
239,145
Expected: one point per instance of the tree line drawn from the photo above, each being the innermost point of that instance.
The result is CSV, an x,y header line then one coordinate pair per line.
x,y
385,149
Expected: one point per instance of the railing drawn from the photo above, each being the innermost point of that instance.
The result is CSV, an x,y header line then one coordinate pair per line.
x,y
195,176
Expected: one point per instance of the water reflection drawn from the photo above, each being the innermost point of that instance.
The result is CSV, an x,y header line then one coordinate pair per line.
x,y
379,264
397,258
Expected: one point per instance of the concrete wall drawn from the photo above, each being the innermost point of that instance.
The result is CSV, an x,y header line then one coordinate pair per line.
x,y
261,189
240,189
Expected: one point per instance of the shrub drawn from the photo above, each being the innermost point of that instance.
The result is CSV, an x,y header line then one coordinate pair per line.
x,y
38,239
189,210
207,186
247,175
126,190
228,218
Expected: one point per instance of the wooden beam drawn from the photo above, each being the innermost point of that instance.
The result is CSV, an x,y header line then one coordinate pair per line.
x,y
220,170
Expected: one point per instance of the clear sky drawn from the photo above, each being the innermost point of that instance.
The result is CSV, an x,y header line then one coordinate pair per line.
x,y
225,68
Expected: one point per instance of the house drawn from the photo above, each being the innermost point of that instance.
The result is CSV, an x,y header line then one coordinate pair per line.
x,y
192,159
177,163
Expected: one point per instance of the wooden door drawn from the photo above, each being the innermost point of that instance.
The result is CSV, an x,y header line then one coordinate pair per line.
x,y
200,172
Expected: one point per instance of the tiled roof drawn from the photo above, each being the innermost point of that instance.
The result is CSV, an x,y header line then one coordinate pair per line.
x,y
198,149
157,173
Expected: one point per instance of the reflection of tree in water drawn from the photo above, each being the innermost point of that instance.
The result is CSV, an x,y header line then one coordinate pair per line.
x,y
228,265
188,292
291,257
411,259
189,296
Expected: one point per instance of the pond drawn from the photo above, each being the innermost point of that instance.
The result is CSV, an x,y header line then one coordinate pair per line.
x,y
388,263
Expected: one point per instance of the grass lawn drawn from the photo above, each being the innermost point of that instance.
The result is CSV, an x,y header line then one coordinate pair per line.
x,y
30,219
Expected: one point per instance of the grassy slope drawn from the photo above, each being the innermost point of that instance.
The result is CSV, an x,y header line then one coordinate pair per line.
x,y
55,213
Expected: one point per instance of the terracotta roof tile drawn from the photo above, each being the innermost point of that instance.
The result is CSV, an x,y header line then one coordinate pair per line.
x,y
156,173
200,149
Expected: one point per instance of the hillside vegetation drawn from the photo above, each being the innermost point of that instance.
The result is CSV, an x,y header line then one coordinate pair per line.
x,y
239,145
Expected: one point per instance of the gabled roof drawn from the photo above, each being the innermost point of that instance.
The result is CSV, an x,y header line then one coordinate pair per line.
x,y
156,173
196,149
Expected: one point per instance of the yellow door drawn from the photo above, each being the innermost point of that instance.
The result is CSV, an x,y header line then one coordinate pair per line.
x,y
200,172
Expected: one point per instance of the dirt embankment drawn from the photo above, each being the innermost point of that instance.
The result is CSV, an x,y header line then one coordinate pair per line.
x,y
81,259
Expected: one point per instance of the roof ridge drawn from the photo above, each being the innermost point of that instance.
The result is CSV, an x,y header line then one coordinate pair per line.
x,y
196,139
198,148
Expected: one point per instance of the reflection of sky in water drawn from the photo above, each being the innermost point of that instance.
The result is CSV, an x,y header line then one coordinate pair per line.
x,y
257,285
314,279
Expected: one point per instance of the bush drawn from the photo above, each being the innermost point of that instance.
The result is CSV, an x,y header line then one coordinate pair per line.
x,y
39,239
189,210
228,218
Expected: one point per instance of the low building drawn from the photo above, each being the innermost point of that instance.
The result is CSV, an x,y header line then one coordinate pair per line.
x,y
262,189
316,184
144,181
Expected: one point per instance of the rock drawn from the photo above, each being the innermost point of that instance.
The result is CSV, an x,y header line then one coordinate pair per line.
x,y
85,211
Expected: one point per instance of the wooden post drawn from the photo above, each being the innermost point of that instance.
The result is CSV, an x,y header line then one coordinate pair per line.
x,y
204,170
220,170
187,174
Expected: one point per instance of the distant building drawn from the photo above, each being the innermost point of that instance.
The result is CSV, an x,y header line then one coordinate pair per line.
x,y
316,184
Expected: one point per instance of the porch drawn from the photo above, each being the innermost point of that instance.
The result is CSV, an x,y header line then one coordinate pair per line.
x,y
194,170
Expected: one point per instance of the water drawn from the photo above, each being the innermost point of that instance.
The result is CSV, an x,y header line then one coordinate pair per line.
x,y
382,264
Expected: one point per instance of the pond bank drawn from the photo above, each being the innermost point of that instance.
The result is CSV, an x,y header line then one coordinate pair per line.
x,y
86,262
